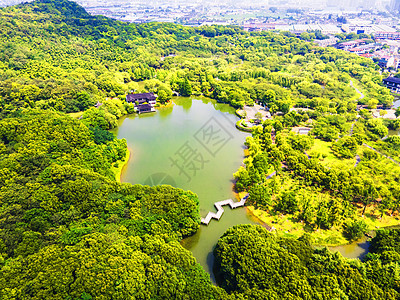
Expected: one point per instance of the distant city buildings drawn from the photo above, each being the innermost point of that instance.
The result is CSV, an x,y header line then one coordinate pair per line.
x,y
327,42
347,46
388,35
395,6
366,27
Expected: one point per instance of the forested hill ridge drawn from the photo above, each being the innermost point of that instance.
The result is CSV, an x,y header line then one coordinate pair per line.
x,y
69,231
54,56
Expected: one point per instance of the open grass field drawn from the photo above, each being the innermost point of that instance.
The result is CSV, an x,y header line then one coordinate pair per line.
x,y
76,115
284,225
323,150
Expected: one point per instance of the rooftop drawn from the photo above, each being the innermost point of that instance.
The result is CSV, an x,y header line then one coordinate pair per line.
x,y
392,79
134,97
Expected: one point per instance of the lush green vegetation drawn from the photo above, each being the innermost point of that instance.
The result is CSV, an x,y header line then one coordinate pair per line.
x,y
320,195
68,230
55,56
252,263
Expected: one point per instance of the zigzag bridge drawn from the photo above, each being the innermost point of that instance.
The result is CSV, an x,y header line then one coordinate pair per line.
x,y
220,210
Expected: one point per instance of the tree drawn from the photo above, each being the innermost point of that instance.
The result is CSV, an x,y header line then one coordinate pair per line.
x,y
345,147
305,36
252,263
162,97
82,101
101,136
278,126
354,230
185,88
382,113
397,112
268,97
287,202
258,116
259,196
372,103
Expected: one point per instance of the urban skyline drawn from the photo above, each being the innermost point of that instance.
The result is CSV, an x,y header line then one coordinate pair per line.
x,y
315,4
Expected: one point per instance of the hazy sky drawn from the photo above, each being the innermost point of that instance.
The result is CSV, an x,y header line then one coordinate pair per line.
x,y
319,4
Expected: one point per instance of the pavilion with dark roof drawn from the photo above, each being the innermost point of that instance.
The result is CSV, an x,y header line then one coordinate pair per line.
x,y
144,108
141,98
392,83
143,102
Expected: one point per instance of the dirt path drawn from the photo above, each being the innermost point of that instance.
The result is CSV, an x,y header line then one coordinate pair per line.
x,y
357,90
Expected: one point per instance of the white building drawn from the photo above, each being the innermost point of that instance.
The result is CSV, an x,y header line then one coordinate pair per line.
x,y
327,42
366,27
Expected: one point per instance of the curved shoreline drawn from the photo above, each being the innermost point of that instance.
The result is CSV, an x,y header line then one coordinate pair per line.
x,y
124,163
169,104
241,128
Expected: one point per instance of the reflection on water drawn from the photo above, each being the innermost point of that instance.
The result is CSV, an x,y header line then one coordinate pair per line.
x,y
156,141
155,138
165,112
186,103
357,249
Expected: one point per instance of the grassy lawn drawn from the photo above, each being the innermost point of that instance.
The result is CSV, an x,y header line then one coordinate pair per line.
x,y
284,225
118,170
393,153
373,220
242,126
323,149
76,115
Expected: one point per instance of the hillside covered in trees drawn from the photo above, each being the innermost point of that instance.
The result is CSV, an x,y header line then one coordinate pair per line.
x,y
252,263
68,230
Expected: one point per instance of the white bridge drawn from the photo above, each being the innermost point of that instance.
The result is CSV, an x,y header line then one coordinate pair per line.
x,y
220,210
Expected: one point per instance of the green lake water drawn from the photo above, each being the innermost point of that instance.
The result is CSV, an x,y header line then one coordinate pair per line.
x,y
193,145
356,249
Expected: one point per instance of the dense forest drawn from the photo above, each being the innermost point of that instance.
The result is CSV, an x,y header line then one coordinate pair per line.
x,y
70,231
252,263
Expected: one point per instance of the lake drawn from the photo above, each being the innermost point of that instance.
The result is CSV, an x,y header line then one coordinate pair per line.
x,y
193,145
